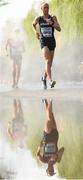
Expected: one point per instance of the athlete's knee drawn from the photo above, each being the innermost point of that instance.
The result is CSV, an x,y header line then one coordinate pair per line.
x,y
13,70
46,55
48,62
18,67
50,117
49,114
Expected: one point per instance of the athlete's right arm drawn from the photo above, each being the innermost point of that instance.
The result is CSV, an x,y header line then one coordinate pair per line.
x,y
7,44
60,153
34,26
6,47
40,158
9,130
38,151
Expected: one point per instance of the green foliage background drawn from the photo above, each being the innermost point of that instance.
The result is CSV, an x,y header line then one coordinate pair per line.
x,y
69,14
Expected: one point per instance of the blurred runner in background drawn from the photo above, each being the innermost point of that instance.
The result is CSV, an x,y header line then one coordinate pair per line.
x,y
16,49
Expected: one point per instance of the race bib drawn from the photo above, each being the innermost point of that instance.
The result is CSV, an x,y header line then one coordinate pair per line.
x,y
50,148
46,31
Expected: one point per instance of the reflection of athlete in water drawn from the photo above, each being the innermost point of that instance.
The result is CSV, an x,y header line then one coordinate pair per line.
x,y
47,24
17,129
16,47
48,151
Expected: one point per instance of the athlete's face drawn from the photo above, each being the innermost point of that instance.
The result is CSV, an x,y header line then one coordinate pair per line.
x,y
50,169
45,9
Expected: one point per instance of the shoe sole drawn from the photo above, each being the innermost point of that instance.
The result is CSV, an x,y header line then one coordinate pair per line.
x,y
53,84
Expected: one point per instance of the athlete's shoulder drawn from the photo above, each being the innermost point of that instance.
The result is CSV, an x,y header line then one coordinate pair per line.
x,y
37,19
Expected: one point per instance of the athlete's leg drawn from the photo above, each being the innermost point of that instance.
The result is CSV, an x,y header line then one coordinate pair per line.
x,y
18,70
51,115
45,74
51,57
50,123
51,83
19,107
47,56
14,113
13,73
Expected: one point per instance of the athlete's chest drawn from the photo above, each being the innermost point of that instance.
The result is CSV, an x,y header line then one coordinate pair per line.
x,y
44,22
15,42
45,28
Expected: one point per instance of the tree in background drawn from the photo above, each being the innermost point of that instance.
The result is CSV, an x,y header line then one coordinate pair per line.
x,y
69,13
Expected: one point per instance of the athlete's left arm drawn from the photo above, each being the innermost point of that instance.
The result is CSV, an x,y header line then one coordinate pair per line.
x,y
56,25
7,47
60,153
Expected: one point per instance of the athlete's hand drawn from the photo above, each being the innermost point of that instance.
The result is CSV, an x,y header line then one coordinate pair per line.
x,y
37,35
56,24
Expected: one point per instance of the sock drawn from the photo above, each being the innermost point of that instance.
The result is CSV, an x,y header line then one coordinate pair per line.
x,y
50,81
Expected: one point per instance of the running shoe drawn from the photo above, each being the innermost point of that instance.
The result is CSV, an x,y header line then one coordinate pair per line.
x,y
44,83
52,84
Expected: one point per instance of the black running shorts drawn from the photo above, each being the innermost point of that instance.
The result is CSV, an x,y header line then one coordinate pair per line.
x,y
49,42
51,137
